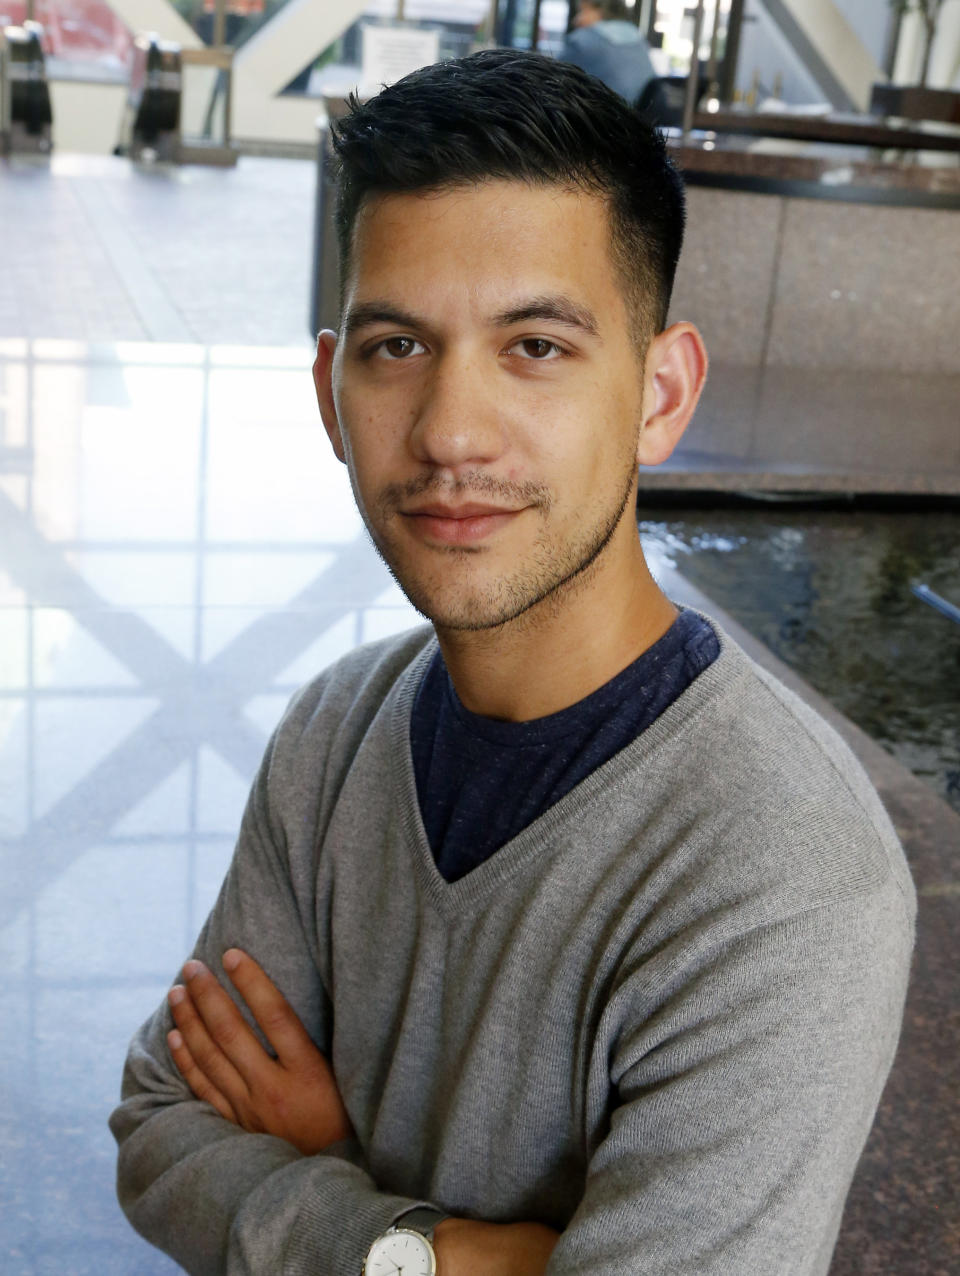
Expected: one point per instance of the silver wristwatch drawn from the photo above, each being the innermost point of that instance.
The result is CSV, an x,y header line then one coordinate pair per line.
x,y
406,1246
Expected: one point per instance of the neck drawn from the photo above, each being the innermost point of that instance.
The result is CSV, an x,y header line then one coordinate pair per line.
x,y
566,646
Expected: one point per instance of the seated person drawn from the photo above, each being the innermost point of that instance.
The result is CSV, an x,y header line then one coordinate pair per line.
x,y
610,47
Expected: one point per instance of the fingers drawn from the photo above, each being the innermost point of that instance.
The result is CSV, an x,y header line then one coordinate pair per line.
x,y
294,1097
199,1084
220,1042
276,1017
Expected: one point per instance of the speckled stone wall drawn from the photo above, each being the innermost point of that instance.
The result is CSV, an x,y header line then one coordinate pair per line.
x,y
808,283
725,278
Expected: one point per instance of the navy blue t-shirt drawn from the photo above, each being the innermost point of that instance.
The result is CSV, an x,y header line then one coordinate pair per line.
x,y
481,781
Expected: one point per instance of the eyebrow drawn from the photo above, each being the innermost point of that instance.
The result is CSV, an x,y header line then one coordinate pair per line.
x,y
368,313
552,308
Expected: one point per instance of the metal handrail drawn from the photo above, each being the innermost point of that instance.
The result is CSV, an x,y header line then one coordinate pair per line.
x,y
934,600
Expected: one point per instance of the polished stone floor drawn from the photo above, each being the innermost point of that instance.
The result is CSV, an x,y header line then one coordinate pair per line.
x,y
178,551
100,250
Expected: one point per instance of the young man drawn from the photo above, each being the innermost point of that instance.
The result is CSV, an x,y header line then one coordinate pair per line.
x,y
580,945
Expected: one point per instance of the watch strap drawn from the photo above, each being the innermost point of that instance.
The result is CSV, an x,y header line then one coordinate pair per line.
x,y
422,1218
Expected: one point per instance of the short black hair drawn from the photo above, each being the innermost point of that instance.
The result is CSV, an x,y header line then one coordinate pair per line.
x,y
508,114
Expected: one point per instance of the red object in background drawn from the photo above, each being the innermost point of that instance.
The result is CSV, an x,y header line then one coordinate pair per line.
x,y
77,30
242,7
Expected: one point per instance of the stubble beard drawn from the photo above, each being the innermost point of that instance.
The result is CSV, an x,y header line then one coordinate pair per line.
x,y
545,578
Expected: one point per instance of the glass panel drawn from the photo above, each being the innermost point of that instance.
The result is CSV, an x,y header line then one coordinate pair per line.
x,y
463,25
242,17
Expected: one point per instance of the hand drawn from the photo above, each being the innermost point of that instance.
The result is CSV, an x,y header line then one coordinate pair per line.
x,y
465,1247
294,1096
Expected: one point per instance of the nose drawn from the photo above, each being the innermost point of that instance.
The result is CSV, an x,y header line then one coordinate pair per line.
x,y
459,423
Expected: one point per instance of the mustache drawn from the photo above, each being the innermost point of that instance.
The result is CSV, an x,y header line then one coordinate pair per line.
x,y
475,483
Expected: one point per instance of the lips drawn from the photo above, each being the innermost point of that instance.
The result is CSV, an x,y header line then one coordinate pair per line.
x,y
469,510
466,524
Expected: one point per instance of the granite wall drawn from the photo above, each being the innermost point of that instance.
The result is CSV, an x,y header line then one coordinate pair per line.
x,y
776,281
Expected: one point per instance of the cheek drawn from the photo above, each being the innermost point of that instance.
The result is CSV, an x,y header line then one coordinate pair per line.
x,y
377,451
591,431
376,422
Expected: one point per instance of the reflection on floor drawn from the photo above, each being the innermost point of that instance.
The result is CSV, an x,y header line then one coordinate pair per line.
x,y
179,550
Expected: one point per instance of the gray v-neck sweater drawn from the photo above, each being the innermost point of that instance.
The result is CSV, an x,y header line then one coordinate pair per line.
x,y
659,1019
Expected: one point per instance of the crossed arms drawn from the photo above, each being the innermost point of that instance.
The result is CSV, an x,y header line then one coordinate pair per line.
x,y
294,1096
290,1093
675,1079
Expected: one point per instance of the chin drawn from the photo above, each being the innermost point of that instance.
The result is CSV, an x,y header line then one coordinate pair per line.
x,y
466,611
467,617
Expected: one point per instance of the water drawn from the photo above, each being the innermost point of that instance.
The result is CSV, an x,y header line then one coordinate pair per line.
x,y
830,594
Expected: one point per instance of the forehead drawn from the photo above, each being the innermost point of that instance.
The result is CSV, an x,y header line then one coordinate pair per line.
x,y
487,238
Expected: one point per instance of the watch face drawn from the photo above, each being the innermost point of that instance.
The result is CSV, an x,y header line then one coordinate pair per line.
x,y
400,1253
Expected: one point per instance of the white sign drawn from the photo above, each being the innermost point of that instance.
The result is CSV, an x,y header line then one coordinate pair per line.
x,y
390,53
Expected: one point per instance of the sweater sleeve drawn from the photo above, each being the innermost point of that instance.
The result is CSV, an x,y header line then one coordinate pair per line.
x,y
214,1197
744,1102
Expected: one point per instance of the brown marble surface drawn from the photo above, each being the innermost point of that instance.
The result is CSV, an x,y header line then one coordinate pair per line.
x,y
902,1216
860,167
833,126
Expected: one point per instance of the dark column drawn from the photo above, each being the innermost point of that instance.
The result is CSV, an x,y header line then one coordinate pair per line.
x,y
506,23
535,33
894,27
731,51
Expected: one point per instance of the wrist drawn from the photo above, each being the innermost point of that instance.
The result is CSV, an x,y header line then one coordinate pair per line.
x,y
470,1247
465,1247
447,1238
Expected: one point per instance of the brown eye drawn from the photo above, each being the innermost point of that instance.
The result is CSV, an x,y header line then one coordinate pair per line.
x,y
539,348
399,347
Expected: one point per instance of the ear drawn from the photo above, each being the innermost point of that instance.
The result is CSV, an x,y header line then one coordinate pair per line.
x,y
323,380
674,373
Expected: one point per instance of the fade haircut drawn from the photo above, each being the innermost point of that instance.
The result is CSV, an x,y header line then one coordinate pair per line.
x,y
507,114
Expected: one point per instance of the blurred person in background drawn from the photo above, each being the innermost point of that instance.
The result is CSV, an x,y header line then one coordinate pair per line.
x,y
607,44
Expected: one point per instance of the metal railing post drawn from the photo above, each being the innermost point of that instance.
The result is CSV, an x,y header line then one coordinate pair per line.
x,y
693,79
731,51
535,33
220,25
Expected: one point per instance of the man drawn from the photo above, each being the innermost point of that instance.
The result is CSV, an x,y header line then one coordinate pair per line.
x,y
574,943
610,47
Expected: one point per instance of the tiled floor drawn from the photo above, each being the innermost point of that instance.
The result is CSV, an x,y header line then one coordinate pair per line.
x,y
99,250
178,550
